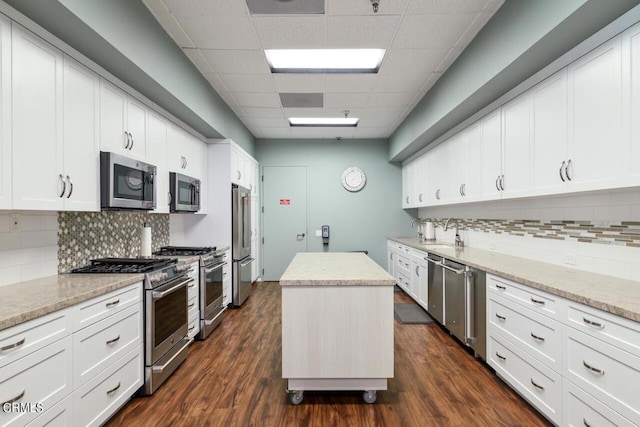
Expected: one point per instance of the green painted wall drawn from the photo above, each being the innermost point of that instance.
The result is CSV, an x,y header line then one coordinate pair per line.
x,y
358,221
124,38
519,40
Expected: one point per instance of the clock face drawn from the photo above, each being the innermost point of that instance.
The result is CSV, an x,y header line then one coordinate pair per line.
x,y
353,179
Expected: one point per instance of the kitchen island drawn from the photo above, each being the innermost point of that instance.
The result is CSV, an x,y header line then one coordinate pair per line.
x,y
337,324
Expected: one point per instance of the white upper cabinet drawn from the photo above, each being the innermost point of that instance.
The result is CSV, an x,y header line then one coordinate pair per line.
x,y
36,123
80,135
596,143
157,156
6,201
471,187
123,122
631,47
491,156
238,165
185,153
516,156
549,139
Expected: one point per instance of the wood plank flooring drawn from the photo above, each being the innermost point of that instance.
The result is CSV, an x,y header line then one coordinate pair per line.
x,y
234,379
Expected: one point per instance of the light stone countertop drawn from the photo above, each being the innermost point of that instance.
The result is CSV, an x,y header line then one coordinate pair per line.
x,y
335,269
27,300
607,293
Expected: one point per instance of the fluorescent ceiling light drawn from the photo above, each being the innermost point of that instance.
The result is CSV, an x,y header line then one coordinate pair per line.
x,y
324,60
323,122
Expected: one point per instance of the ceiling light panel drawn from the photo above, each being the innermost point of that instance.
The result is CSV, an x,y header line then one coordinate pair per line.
x,y
323,121
285,7
302,100
324,60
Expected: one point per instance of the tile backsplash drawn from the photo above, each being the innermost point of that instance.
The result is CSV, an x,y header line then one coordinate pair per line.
x,y
83,236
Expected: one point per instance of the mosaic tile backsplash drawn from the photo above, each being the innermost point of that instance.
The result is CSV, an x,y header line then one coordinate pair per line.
x,y
83,236
622,233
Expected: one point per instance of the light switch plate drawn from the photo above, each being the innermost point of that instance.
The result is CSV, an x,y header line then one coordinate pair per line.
x,y
318,233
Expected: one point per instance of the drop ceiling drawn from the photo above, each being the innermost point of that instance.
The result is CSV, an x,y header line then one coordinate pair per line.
x,y
226,43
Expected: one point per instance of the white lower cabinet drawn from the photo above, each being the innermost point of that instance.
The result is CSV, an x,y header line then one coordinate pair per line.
x,y
226,279
582,409
193,300
60,415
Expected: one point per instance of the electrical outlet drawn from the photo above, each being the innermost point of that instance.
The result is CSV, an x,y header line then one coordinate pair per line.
x,y
570,259
15,222
318,233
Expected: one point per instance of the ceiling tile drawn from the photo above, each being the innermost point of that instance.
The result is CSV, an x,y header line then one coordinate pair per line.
x,y
472,30
220,32
291,31
239,111
452,55
248,82
250,99
436,7
195,8
345,100
237,61
431,31
351,82
380,117
390,99
270,123
412,60
169,23
399,82
322,133
359,32
314,112
195,55
263,113
364,7
299,82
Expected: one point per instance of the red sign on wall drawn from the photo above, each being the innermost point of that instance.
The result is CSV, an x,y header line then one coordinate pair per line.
x,y
286,202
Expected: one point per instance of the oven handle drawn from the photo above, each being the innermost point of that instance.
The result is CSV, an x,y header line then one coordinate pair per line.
x,y
214,268
247,262
160,369
158,295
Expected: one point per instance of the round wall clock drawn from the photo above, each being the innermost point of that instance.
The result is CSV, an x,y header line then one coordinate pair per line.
x,y
353,179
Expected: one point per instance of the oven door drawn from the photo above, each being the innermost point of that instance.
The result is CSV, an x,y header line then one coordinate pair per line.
x,y
165,318
211,291
126,183
184,192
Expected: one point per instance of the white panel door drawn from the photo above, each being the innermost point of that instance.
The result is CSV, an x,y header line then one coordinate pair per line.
x,y
491,160
5,114
81,88
38,181
113,107
175,154
549,140
137,128
516,156
596,141
473,156
633,118
157,156
407,170
434,176
421,180
454,163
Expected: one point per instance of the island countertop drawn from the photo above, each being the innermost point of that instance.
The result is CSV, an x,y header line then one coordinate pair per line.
x,y
335,269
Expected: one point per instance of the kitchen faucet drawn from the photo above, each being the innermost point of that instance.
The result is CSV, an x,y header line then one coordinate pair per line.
x,y
458,241
420,234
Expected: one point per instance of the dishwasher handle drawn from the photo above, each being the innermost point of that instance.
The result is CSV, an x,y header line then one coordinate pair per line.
x,y
470,335
437,261
450,268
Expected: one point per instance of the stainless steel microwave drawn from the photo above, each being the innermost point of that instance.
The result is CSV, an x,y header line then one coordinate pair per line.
x,y
126,183
184,192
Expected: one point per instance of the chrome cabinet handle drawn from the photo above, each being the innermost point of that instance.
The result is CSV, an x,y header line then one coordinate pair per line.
x,y
585,422
420,197
592,323
464,190
499,356
561,169
537,301
502,288
126,144
418,271
501,317
391,255
593,369
501,182
460,189
70,186
566,169
438,194
191,328
112,303
113,340
186,162
113,390
497,185
132,141
536,337
15,399
239,175
536,385
191,305
64,185
14,345
407,199
300,236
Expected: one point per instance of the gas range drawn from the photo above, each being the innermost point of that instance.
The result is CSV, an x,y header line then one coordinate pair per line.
x,y
207,254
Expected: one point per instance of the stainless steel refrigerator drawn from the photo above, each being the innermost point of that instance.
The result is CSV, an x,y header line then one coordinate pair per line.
x,y
241,244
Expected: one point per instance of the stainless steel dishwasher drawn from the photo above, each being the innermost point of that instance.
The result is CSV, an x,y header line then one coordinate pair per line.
x,y
459,303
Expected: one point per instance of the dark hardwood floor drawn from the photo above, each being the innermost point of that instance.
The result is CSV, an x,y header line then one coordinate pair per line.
x,y
234,379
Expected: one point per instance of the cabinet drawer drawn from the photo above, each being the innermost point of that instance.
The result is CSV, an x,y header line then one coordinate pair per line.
x,y
44,377
194,273
538,335
27,337
60,415
193,290
615,330
403,281
99,345
537,300
98,308
580,409
403,264
609,374
101,397
538,384
193,307
194,325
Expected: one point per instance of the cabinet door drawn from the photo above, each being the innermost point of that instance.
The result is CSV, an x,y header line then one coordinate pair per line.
x,y
175,156
516,159
113,103
491,168
422,283
5,114
157,155
595,119
36,123
454,167
137,128
81,147
633,48
406,183
434,193
472,163
550,134
237,167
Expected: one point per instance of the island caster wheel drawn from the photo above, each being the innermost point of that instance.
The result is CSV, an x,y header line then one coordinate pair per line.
x,y
296,397
369,396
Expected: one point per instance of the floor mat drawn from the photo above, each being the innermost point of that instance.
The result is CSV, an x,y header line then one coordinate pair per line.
x,y
410,313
